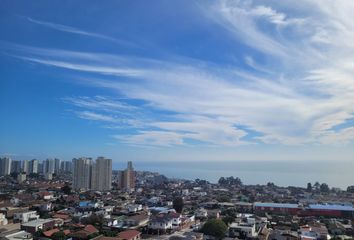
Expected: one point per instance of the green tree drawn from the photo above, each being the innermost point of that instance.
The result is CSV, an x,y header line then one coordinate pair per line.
x,y
222,181
324,188
59,236
309,187
350,189
228,219
38,234
223,198
230,181
270,184
214,227
178,204
109,233
317,186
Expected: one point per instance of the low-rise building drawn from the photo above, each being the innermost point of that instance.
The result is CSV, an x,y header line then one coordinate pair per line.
x,y
161,223
136,220
129,235
242,230
21,177
87,232
3,219
279,208
132,208
39,224
24,217
17,235
318,231
201,213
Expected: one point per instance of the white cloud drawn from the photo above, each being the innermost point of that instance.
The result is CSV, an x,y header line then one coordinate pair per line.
x,y
95,116
99,103
87,68
298,98
343,136
73,30
152,138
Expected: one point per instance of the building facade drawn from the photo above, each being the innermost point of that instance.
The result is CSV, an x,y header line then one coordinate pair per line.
x,y
56,165
33,166
25,166
66,166
48,166
82,173
94,175
101,177
16,166
5,166
126,178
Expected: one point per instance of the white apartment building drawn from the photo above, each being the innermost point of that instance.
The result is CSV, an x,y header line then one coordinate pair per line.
x,y
81,173
25,217
94,175
101,178
243,230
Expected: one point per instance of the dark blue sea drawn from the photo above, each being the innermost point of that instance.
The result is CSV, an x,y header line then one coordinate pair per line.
x,y
286,173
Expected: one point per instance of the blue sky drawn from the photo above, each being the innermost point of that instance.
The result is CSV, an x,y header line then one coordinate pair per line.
x,y
177,80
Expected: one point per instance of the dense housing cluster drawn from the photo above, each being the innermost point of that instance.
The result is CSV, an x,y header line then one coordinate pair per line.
x,y
87,200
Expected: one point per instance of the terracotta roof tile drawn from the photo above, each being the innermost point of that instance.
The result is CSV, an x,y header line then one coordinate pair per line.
x,y
49,233
91,229
128,234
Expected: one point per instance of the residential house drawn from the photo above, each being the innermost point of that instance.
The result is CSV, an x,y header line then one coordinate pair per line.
x,y
243,230
3,219
50,233
17,235
161,223
136,220
176,220
46,195
201,213
24,217
214,213
132,208
87,232
129,235
39,224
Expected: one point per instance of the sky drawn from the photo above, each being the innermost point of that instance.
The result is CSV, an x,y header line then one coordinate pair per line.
x,y
177,80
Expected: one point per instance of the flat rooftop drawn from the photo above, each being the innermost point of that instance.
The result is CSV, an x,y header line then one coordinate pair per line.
x,y
276,205
37,222
337,207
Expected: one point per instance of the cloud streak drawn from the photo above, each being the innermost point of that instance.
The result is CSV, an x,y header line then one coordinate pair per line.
x,y
302,91
77,31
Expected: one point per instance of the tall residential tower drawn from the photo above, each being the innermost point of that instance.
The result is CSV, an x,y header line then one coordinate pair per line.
x,y
81,173
94,175
127,178
5,166
101,178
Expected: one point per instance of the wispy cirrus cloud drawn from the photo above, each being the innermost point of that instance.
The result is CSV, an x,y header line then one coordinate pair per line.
x,y
300,91
99,103
78,31
88,115
110,113
115,71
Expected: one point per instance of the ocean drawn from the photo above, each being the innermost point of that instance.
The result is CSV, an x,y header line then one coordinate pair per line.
x,y
285,173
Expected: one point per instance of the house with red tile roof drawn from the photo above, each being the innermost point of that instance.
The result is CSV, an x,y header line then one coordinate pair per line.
x,y
64,217
49,233
85,233
129,235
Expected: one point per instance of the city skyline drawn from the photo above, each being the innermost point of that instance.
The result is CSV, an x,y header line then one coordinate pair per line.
x,y
177,81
